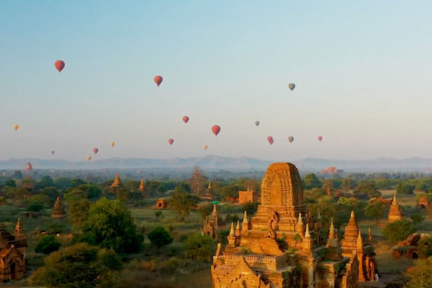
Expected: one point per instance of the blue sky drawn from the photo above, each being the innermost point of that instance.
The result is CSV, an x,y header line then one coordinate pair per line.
x,y
362,71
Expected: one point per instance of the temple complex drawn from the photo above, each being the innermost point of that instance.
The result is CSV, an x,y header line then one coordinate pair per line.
x,y
12,251
58,211
117,182
248,196
211,224
353,242
282,246
395,213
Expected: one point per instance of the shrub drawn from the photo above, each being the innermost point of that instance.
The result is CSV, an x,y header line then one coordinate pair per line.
x,y
159,237
47,244
417,218
404,188
200,247
250,208
425,247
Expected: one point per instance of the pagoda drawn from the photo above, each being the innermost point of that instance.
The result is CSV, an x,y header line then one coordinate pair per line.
x,y
209,193
281,245
117,182
58,211
395,213
211,224
353,242
28,167
143,189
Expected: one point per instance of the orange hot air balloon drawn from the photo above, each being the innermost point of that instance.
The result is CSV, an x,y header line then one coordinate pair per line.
x,y
205,147
95,150
185,119
270,140
88,158
112,144
16,127
59,65
216,129
320,138
158,80
170,141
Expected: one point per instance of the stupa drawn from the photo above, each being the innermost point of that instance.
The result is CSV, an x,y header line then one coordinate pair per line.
x,y
353,242
29,167
211,224
280,246
58,211
117,182
395,213
209,193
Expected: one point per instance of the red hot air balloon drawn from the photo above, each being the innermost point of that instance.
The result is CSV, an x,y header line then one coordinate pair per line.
x,y
52,152
59,65
216,129
95,150
320,138
185,119
170,141
270,140
158,80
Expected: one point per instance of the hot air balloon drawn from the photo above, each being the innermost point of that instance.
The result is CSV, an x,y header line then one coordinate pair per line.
x,y
290,139
59,65
216,129
52,152
291,86
95,150
112,144
185,119
88,158
270,140
205,147
257,123
320,138
16,127
158,80
170,141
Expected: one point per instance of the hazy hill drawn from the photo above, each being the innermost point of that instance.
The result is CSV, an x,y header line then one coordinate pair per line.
x,y
212,162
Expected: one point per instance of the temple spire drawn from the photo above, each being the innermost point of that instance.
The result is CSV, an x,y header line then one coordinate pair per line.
x,y
142,186
232,229
245,220
300,219
369,235
359,242
394,202
319,215
307,234
209,186
332,230
19,231
237,232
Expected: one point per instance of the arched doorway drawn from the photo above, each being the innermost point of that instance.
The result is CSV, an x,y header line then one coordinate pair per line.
x,y
13,270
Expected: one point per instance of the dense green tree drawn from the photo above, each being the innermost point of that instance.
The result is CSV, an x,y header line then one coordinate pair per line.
x,y
200,247
205,209
28,183
417,218
110,225
424,184
80,265
47,244
420,276
159,237
230,192
78,212
375,210
404,188
347,184
398,231
132,185
384,183
76,182
311,181
35,207
45,181
18,175
367,189
10,183
182,203
250,208
50,192
424,247
62,182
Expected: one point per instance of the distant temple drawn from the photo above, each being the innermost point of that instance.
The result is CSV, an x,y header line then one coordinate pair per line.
x,y
12,251
161,204
58,211
248,196
211,225
209,193
28,167
282,246
395,213
117,182
332,171
143,189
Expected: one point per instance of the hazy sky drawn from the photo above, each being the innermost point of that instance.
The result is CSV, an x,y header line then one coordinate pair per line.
x,y
362,71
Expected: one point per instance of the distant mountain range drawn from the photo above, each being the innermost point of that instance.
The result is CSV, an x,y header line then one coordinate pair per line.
x,y
216,163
